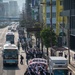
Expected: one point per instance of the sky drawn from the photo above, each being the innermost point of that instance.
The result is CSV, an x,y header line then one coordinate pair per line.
x,y
20,2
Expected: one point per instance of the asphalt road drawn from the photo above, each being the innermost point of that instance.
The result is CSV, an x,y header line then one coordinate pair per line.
x,y
2,41
11,70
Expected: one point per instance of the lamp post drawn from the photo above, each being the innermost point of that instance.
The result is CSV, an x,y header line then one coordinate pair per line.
x,y
51,23
69,33
43,24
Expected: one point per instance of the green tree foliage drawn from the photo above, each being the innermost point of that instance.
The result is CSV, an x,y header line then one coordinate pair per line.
x,y
27,23
49,37
37,33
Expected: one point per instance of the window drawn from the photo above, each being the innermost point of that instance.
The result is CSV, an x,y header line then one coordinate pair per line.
x,y
36,2
48,15
48,3
61,13
48,25
53,3
61,2
53,25
53,14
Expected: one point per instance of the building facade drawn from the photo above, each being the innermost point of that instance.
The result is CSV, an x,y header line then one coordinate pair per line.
x,y
6,8
13,9
28,9
69,11
1,0
2,11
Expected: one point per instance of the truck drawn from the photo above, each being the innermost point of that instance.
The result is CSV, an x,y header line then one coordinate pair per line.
x,y
58,65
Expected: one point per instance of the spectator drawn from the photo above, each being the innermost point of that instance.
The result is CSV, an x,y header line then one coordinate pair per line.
x,y
21,59
65,56
18,45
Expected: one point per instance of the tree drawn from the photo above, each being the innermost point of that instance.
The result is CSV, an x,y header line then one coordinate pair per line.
x,y
49,37
39,26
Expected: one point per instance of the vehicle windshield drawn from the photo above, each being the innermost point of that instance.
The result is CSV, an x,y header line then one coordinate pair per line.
x,y
60,72
11,53
10,38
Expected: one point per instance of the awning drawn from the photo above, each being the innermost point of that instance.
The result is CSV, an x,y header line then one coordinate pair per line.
x,y
62,34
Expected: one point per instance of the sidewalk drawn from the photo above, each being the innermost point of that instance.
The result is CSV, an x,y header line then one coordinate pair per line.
x,y
71,67
22,68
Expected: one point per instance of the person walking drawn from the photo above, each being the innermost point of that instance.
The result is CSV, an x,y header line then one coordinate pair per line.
x,y
18,45
21,59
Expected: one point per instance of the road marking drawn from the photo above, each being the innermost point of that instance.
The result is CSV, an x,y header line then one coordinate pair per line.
x,y
71,69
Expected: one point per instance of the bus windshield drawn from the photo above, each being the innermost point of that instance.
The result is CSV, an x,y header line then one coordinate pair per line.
x,y
60,72
10,53
10,38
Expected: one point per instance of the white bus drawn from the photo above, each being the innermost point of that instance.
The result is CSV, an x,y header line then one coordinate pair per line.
x,y
58,65
10,54
10,37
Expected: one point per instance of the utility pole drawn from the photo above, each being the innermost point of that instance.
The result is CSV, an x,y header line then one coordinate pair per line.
x,y
69,30
51,20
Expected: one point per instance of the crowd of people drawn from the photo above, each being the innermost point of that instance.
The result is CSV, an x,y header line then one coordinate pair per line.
x,y
33,53
34,69
37,69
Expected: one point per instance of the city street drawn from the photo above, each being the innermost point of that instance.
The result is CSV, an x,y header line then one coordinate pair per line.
x,y
11,70
20,70
37,37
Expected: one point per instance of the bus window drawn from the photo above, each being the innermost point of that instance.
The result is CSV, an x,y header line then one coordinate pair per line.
x,y
10,38
10,53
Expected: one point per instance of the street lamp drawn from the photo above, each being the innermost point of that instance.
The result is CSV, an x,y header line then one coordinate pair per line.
x,y
69,34
51,24
51,19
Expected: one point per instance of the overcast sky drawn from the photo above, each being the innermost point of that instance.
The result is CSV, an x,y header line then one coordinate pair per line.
x,y
20,2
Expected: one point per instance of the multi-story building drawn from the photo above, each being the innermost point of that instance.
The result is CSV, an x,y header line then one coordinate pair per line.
x,y
69,11
1,0
35,9
39,11
28,9
6,8
59,18
43,4
2,11
61,21
13,9
46,13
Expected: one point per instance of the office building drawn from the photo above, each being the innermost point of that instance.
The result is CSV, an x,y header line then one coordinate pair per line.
x,y
1,0
2,11
69,11
13,9
6,9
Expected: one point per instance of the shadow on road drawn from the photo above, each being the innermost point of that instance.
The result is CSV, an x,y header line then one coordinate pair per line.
x,y
10,67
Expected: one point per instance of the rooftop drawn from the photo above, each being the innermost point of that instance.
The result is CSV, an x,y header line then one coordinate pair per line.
x,y
57,58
